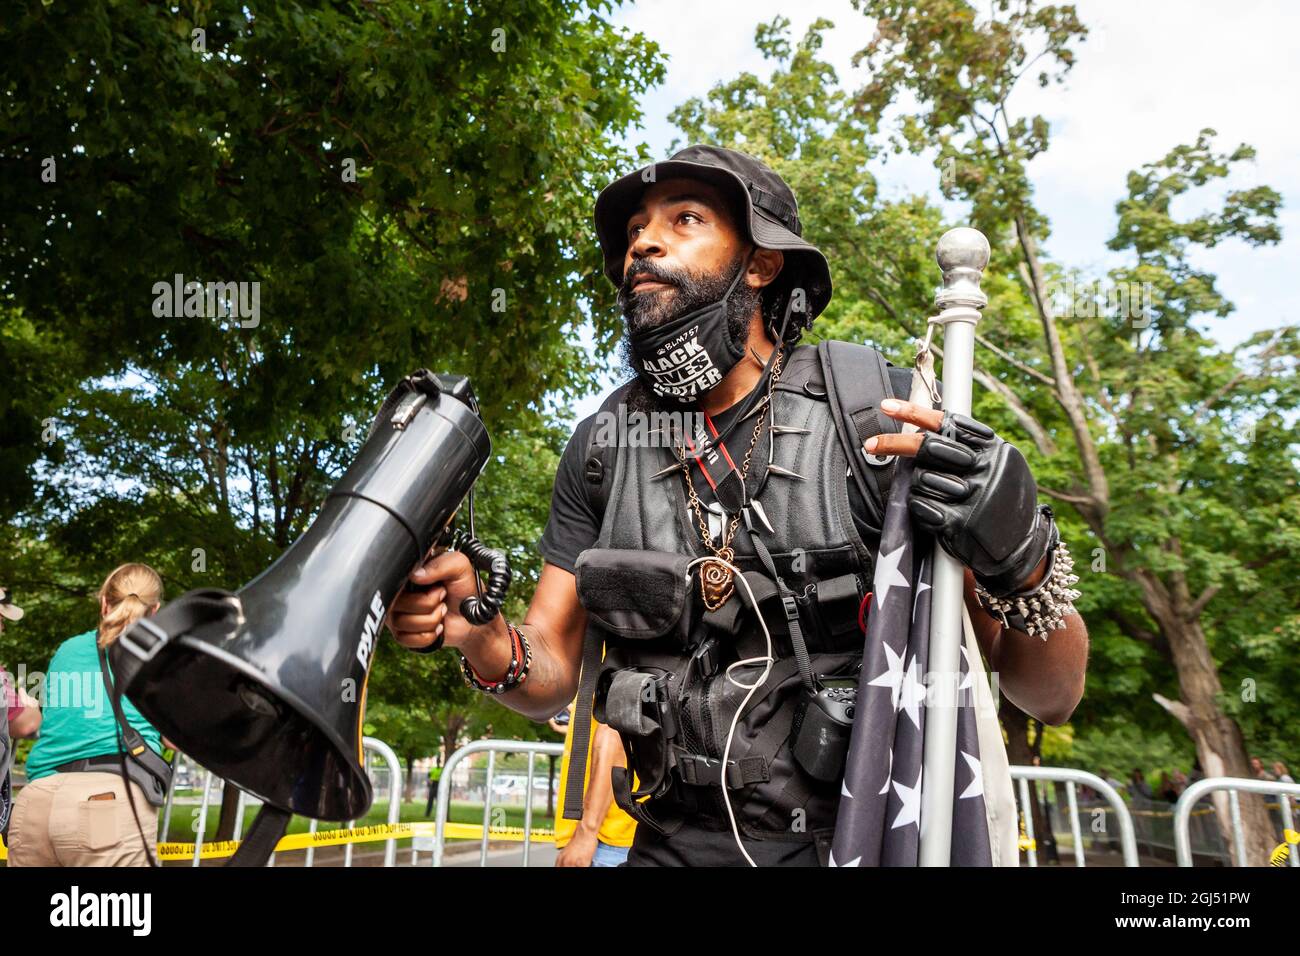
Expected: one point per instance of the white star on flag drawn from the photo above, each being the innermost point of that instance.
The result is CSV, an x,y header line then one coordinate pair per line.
x,y
893,675
968,679
888,576
920,589
880,817
976,788
912,695
911,809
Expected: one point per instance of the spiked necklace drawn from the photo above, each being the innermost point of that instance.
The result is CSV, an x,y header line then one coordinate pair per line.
x,y
717,581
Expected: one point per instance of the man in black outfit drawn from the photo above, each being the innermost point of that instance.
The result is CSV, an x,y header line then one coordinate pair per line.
x,y
743,529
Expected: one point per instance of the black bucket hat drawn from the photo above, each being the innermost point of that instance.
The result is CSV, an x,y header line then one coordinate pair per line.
x,y
771,212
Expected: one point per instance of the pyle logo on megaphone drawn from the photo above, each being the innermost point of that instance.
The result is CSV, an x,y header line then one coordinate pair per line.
x,y
366,646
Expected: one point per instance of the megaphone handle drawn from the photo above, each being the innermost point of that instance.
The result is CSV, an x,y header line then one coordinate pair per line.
x,y
421,589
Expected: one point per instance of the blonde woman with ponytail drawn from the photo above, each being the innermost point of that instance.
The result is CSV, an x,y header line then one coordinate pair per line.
x,y
75,810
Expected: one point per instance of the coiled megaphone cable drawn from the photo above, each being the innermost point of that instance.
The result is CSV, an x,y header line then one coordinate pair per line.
x,y
487,605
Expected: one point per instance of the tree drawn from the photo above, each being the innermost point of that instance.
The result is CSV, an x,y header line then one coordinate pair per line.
x,y
386,186
1129,409
800,123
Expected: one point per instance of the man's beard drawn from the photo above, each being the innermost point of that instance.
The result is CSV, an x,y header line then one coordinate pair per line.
x,y
688,291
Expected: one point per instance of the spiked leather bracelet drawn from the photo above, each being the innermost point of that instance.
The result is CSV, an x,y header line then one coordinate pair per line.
x,y
1044,607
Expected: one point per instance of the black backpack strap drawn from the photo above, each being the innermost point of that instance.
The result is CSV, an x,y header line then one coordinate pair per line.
x,y
658,815
858,380
598,474
593,651
599,458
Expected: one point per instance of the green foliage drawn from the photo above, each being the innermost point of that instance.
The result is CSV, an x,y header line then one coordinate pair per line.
x,y
801,125
1176,455
961,71
409,185
1115,747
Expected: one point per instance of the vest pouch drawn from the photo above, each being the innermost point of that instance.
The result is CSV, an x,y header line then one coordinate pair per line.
x,y
637,701
819,738
830,611
637,595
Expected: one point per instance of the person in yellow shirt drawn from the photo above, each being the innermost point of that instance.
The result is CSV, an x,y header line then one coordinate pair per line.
x,y
604,834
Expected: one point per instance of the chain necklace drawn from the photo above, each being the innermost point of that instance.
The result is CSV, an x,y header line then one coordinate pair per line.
x,y
716,579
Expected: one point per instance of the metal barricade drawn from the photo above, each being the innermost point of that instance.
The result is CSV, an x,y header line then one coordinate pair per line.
x,y
491,748
370,745
1234,785
378,747
1072,778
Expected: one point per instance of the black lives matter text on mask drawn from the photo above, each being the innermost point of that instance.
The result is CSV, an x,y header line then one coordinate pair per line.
x,y
682,367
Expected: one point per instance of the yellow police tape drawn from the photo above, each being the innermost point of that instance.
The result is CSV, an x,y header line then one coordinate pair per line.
x,y
374,833
1283,850
367,834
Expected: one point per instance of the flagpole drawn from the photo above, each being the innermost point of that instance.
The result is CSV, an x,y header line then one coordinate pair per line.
x,y
962,255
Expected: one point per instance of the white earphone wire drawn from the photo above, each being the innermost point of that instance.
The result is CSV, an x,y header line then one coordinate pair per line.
x,y
767,663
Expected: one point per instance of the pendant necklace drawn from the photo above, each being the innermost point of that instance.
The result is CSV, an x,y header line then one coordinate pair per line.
x,y
717,581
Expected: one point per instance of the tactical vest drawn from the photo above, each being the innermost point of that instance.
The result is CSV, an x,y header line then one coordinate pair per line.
x,y
663,682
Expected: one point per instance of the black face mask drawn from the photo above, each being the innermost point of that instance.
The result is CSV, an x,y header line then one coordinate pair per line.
x,y
684,358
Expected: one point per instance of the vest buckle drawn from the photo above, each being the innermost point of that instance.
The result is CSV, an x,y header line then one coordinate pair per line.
x,y
701,771
704,660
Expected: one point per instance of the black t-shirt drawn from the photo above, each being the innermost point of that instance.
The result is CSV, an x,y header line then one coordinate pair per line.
x,y
573,524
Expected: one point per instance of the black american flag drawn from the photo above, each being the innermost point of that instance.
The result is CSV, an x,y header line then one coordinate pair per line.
x,y
880,807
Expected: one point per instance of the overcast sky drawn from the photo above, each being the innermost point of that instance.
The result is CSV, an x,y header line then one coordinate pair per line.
x,y
1151,74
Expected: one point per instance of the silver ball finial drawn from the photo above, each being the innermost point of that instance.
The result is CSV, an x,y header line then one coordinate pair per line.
x,y
962,255
962,247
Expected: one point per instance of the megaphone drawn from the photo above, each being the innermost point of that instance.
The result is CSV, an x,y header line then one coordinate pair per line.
x,y
266,686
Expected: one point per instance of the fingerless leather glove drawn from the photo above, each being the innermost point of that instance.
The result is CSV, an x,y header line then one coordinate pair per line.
x,y
974,491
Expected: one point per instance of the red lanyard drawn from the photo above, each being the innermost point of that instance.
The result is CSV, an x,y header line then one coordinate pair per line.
x,y
718,467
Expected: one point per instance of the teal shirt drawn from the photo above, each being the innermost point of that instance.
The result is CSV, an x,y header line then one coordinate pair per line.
x,y
77,716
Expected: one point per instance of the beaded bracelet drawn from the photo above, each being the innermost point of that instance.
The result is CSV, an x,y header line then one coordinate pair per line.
x,y
521,658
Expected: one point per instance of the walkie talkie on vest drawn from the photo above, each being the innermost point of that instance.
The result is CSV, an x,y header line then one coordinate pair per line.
x,y
266,686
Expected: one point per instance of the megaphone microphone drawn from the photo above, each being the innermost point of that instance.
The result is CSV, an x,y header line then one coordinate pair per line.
x,y
266,686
